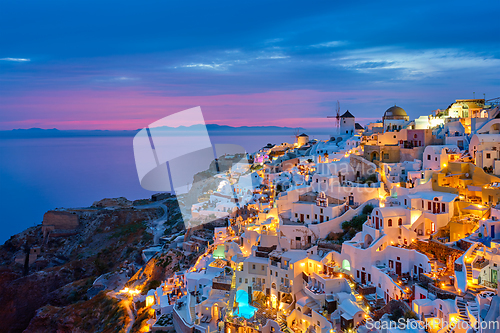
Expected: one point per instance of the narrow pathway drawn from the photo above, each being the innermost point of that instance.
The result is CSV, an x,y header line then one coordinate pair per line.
x,y
128,303
130,315
157,225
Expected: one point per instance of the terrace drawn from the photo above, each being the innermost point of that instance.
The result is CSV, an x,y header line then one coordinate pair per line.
x,y
285,289
257,286
480,263
315,290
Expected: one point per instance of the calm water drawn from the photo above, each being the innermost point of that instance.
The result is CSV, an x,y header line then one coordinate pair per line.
x,y
40,174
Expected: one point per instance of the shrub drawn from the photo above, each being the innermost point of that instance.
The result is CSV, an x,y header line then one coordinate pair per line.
x,y
367,209
152,284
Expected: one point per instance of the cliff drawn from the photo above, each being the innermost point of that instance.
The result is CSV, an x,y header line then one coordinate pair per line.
x,y
58,291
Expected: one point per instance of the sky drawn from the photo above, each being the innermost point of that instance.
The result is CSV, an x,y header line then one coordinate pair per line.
x,y
122,64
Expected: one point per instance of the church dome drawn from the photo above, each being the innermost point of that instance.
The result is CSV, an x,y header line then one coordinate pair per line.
x,y
395,112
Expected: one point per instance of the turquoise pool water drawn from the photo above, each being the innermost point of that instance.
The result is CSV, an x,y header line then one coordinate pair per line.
x,y
219,252
244,309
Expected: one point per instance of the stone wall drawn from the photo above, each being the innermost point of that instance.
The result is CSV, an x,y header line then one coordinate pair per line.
x,y
415,153
441,251
60,220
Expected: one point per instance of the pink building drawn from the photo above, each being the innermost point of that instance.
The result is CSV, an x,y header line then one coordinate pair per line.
x,y
417,138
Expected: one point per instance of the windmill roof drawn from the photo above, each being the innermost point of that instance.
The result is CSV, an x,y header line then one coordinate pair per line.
x,y
358,126
347,114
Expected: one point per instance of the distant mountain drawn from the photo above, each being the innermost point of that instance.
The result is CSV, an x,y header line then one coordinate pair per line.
x,y
55,133
213,129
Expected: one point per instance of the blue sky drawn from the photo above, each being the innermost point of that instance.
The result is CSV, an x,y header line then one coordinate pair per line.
x,y
121,65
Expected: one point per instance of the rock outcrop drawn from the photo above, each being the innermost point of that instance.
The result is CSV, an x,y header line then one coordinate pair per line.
x,y
52,294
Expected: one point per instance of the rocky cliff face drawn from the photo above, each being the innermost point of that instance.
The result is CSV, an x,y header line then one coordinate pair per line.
x,y
99,314
52,294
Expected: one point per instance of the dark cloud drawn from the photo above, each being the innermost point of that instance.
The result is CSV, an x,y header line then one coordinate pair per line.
x,y
425,54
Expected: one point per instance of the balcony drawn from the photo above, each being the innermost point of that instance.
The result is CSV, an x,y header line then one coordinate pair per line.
x,y
222,283
257,286
489,284
285,289
480,263
314,290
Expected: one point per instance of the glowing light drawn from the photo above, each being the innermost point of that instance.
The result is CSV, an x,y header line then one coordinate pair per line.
x,y
131,292
150,300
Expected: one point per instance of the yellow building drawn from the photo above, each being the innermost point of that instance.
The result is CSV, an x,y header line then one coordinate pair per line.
x,y
470,182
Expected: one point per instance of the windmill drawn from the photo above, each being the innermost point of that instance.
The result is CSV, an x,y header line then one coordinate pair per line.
x,y
337,123
296,134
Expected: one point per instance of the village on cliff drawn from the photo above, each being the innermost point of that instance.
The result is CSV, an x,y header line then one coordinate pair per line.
x,y
395,221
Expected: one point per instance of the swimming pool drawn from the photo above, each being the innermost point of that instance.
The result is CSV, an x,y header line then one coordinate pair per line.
x,y
244,309
219,252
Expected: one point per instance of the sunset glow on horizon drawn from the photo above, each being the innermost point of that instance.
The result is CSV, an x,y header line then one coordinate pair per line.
x,y
286,65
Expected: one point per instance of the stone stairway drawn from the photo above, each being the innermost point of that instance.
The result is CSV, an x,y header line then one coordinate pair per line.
x,y
473,308
192,303
386,189
468,269
451,328
471,286
232,295
462,310
359,298
361,323
281,320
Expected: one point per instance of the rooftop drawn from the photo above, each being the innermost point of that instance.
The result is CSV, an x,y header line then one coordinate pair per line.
x,y
347,114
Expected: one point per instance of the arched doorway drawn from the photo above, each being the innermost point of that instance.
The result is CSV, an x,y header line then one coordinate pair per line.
x,y
374,156
368,241
495,128
215,312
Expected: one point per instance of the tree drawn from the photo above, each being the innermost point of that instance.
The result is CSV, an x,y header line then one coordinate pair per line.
x,y
367,209
410,315
396,314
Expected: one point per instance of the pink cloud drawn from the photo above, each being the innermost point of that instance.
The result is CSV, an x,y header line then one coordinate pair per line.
x,y
133,108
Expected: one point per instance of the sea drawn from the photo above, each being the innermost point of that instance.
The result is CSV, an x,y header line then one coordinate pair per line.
x,y
40,174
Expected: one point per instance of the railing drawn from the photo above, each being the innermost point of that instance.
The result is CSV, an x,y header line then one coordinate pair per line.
x,y
480,265
488,284
223,279
285,289
257,286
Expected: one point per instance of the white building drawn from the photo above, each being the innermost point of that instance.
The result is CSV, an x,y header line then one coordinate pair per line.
x,y
484,148
437,157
